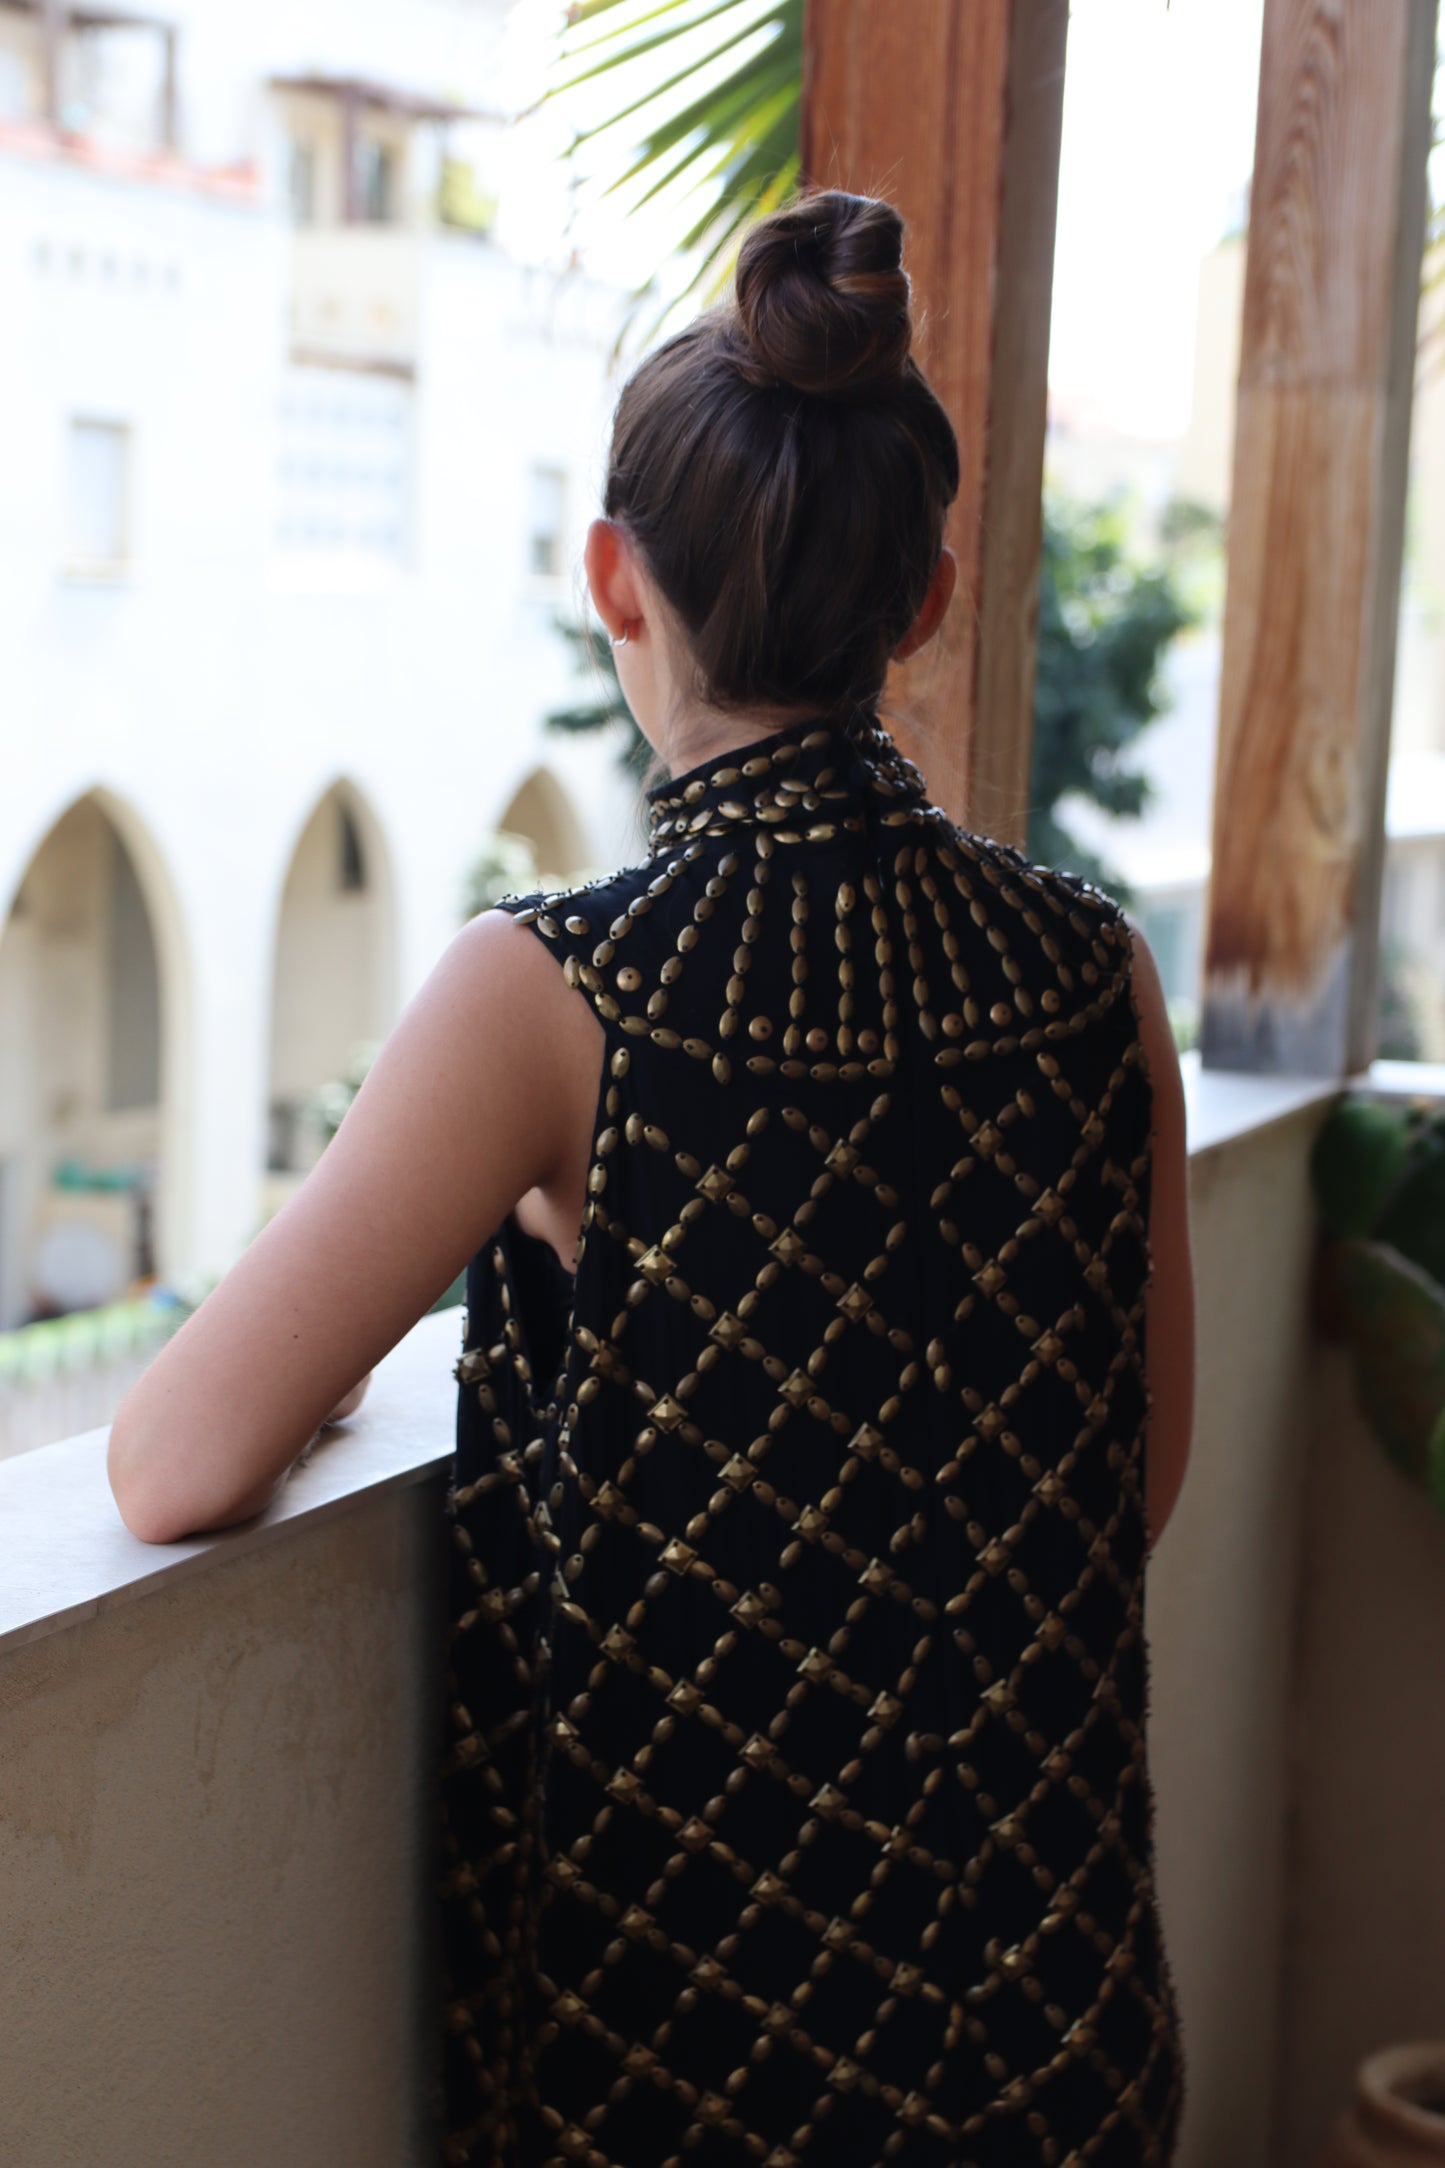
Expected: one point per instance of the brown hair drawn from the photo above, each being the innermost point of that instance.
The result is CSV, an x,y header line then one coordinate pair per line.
x,y
785,468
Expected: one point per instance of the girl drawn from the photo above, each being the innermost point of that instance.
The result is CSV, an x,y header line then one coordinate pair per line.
x,y
820,1177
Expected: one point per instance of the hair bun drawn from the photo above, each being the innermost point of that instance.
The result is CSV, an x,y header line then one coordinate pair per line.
x,y
823,299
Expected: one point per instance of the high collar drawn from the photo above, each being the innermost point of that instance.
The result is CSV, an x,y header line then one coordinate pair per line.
x,y
814,768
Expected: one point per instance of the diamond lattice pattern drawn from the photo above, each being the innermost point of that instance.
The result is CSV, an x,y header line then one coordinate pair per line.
x,y
797,1795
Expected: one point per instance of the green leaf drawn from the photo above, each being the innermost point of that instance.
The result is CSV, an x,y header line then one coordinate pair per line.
x,y
594,660
776,118
1414,1218
659,37
668,174
724,152
1104,625
714,118
1358,1157
1394,1317
628,54
745,182
587,11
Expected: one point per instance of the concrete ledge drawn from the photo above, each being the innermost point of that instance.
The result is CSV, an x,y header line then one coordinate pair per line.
x,y
1223,1105
69,1556
219,1858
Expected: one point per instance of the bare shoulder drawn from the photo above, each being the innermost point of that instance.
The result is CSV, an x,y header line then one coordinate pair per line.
x,y
517,990
498,958
504,937
501,971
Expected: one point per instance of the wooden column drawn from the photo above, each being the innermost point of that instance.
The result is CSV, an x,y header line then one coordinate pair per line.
x,y
951,109
1315,533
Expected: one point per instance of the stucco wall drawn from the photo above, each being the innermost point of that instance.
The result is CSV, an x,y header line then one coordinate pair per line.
x,y
216,695
78,1029
1220,1615
217,1810
213,1861
1364,1961
327,994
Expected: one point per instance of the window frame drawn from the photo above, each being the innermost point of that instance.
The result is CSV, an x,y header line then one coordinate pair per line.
x,y
79,565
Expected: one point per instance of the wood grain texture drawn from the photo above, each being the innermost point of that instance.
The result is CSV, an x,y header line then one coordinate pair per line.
x,y
951,109
1316,533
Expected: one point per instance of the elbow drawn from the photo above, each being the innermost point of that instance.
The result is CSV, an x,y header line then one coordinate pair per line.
x,y
146,1518
151,1527
156,1511
146,1515
156,1519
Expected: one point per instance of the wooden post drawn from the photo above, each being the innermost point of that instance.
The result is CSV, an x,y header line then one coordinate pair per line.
x,y
952,110
1316,530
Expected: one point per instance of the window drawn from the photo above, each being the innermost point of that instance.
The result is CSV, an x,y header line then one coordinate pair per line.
x,y
376,182
301,181
14,88
345,466
114,81
548,496
98,493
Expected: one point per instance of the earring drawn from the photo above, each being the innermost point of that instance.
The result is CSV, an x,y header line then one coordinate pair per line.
x,y
622,638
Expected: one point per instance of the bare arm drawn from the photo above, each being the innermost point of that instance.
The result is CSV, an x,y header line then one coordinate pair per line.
x,y
1170,1307
351,1401
465,1109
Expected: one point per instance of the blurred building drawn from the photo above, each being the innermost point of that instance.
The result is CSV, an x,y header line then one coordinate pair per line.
x,y
297,468
1164,857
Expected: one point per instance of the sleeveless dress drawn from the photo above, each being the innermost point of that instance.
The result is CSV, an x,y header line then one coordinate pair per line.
x,y
796,1805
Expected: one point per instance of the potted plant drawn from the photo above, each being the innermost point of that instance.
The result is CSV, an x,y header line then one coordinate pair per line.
x,y
1379,1183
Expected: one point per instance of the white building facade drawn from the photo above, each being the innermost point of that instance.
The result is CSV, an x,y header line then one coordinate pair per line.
x,y
295,482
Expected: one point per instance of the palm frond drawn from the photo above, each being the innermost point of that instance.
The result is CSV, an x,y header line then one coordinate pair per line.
x,y
633,47
707,146
716,120
629,54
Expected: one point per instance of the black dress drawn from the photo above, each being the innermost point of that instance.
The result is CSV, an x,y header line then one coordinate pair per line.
x,y
796,1799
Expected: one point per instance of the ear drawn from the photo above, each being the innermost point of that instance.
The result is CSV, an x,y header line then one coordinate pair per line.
x,y
612,576
935,603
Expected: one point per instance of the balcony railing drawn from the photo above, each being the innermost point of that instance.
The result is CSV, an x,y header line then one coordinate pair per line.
x,y
71,1373
355,294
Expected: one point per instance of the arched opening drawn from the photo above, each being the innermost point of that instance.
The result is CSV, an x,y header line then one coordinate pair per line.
x,y
537,843
91,1068
540,811
333,985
